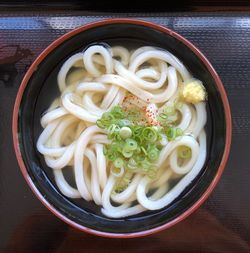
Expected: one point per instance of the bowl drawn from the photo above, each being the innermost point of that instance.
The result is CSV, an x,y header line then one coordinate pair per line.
x,y
37,91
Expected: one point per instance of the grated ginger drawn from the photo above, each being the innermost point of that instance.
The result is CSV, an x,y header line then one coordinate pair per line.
x,y
194,92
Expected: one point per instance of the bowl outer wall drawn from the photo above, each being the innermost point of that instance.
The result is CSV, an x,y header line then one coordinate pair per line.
x,y
160,28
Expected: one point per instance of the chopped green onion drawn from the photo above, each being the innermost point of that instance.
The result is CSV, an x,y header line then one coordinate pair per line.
x,y
179,132
117,112
127,153
100,124
140,158
144,150
184,152
107,116
105,150
153,154
145,165
171,134
131,144
111,156
132,164
123,183
149,134
137,151
118,163
138,139
125,132
163,116
116,146
137,130
113,130
124,122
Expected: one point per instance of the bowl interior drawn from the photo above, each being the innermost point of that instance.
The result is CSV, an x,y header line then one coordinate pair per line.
x,y
42,89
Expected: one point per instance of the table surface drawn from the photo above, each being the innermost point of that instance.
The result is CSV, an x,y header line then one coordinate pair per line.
x,y
222,224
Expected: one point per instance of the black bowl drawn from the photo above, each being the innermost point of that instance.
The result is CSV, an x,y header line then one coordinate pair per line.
x,y
39,88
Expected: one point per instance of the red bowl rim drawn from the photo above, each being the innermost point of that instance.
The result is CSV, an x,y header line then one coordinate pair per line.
x,y
80,29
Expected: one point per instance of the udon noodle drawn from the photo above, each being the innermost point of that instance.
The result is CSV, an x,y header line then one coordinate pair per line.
x,y
103,80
